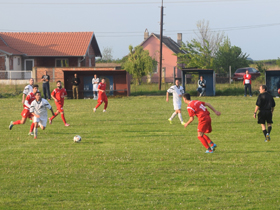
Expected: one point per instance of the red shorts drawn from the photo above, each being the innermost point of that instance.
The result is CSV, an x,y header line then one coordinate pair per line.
x,y
102,98
59,107
204,125
26,114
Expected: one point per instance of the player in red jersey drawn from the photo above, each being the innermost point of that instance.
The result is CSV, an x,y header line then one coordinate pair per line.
x,y
101,95
197,108
58,95
25,113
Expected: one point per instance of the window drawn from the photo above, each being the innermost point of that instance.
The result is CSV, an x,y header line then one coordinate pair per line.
x,y
155,69
61,63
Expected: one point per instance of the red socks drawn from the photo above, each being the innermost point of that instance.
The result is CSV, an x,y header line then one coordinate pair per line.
x,y
32,127
203,141
63,118
17,122
55,114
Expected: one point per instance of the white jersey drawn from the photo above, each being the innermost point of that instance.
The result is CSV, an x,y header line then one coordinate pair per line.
x,y
94,88
28,89
40,108
176,91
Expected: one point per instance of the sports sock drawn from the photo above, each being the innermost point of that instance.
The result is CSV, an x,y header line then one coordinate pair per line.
x,y
203,141
32,127
269,129
180,117
98,105
264,132
106,104
173,115
208,140
17,122
55,114
63,118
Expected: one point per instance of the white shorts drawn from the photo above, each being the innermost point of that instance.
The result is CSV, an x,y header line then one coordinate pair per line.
x,y
41,121
177,106
94,87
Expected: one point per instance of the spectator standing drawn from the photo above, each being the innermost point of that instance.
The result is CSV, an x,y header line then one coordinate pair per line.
x,y
201,86
75,86
95,82
247,83
46,85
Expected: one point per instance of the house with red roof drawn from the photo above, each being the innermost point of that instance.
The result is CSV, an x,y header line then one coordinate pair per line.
x,y
24,50
170,48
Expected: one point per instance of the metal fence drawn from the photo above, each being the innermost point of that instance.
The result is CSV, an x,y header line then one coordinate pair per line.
x,y
15,75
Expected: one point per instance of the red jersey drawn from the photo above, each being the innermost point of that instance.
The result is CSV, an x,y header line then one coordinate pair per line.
x,y
197,108
29,98
59,95
247,79
101,86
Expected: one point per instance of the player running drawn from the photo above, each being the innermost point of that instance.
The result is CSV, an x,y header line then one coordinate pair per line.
x,y
101,95
197,108
27,89
58,95
25,113
39,109
177,92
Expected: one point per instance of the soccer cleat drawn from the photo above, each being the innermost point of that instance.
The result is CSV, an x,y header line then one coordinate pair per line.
x,y
170,121
213,147
209,151
267,137
94,109
11,125
104,110
66,124
50,120
183,123
30,134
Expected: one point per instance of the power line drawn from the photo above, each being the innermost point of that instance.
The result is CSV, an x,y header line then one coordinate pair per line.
x,y
167,32
117,3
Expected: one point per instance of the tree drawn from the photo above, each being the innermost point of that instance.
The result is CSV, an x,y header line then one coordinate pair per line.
x,y
228,55
200,52
208,38
138,63
197,56
107,56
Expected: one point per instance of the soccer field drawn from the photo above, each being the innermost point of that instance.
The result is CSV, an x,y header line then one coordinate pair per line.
x,y
130,157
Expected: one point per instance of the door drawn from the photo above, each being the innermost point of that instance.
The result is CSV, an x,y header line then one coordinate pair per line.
x,y
28,64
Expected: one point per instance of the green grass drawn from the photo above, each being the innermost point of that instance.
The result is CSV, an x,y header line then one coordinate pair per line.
x,y
131,158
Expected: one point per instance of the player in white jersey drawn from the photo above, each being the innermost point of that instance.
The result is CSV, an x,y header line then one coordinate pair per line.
x,y
177,92
95,82
39,108
27,89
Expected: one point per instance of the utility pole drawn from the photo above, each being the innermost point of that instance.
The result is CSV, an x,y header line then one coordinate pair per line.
x,y
160,50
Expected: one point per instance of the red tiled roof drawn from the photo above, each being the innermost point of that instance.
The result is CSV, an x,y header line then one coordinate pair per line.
x,y
48,43
7,49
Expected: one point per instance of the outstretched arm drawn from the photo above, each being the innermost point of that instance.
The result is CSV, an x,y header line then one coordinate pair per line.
x,y
189,122
213,109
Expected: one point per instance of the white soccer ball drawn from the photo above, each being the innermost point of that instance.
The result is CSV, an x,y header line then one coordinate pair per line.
x,y
77,139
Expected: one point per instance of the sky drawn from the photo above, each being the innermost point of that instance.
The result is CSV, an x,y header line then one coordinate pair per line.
x,y
252,25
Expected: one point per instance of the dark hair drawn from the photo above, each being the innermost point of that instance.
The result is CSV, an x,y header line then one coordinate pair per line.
x,y
35,86
58,81
187,96
37,93
264,87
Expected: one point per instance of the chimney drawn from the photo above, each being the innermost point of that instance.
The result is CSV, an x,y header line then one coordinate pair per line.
x,y
146,34
179,38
